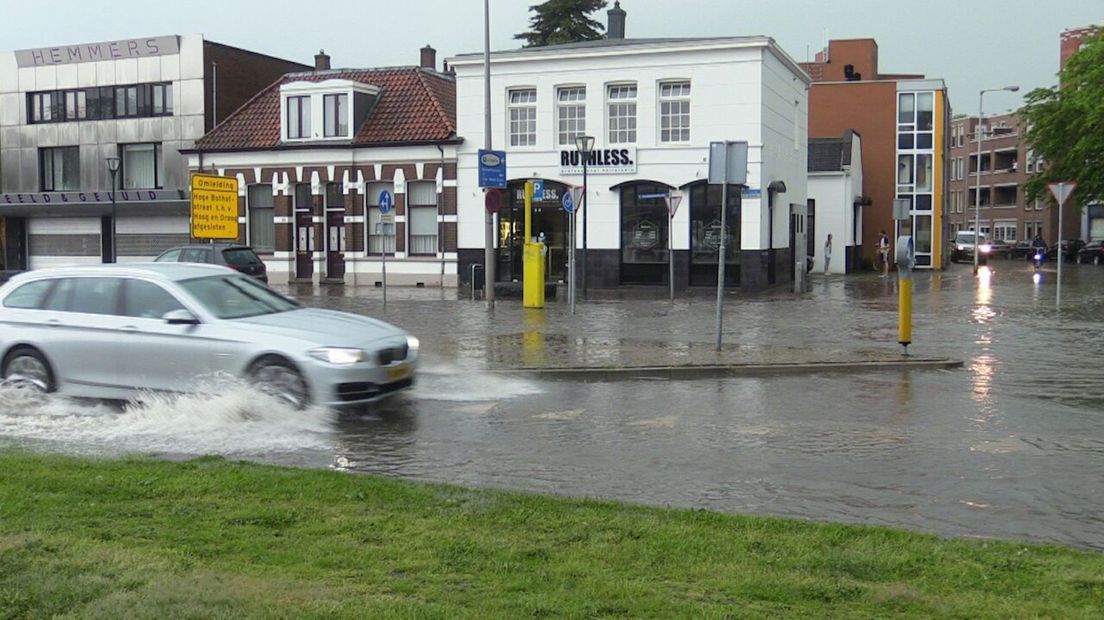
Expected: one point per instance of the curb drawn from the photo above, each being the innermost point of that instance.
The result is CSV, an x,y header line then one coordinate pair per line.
x,y
730,370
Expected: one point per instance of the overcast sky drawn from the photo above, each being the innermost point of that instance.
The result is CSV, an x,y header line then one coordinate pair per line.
x,y
971,44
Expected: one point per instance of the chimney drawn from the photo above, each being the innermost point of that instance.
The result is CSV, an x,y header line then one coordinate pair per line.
x,y
616,15
429,58
321,61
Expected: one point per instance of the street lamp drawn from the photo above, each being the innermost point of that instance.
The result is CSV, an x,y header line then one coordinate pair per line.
x,y
113,168
585,145
977,174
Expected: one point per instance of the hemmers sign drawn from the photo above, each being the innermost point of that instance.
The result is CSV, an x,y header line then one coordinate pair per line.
x,y
92,52
601,161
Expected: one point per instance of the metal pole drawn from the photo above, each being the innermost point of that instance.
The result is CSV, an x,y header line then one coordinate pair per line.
x,y
383,255
977,190
571,264
721,254
671,249
1058,255
586,190
114,252
489,252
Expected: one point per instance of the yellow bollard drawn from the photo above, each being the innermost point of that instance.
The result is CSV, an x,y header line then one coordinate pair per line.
x,y
532,259
904,312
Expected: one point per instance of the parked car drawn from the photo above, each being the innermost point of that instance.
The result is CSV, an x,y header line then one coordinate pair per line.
x,y
1093,252
962,248
115,331
1070,248
1000,249
1021,250
240,257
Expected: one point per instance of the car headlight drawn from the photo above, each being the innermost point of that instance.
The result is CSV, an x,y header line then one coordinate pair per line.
x,y
984,248
337,355
413,343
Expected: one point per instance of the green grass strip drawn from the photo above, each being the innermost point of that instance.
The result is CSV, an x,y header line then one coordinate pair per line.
x,y
144,538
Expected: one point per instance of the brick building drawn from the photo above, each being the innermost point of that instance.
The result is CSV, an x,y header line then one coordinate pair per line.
x,y
66,110
903,120
313,153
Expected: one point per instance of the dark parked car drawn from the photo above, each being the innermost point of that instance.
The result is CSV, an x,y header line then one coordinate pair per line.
x,y
1070,248
1000,249
1022,250
239,257
1092,253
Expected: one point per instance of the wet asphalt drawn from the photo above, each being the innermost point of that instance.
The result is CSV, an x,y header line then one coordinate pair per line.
x,y
1010,445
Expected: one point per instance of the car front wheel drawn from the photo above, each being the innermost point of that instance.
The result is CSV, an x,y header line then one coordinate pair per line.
x,y
26,368
280,378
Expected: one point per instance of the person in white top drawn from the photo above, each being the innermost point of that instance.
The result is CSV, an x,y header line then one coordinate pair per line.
x,y
827,253
883,252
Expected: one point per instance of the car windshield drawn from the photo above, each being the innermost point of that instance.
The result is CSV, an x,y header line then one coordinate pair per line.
x,y
967,237
236,297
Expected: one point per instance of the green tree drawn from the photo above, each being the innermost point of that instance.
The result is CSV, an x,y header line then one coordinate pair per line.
x,y
1065,126
563,21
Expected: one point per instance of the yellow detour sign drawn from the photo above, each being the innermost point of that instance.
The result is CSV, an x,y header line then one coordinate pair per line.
x,y
214,207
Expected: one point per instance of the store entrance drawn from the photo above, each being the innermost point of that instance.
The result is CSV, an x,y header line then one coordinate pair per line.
x,y
549,219
13,244
705,234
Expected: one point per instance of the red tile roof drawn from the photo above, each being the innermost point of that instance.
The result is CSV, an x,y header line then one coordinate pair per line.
x,y
415,105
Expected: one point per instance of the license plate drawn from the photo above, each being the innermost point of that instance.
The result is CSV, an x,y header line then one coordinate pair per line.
x,y
402,372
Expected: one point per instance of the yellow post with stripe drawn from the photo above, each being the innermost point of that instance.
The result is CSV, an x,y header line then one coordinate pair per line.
x,y
532,257
904,291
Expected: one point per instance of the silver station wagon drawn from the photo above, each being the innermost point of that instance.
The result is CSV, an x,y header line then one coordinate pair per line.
x,y
114,331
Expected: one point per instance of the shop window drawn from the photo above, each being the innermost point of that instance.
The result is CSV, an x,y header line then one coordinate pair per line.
x,y
262,227
904,170
643,234
923,173
571,113
523,117
59,169
622,113
142,167
674,112
705,234
422,198
381,237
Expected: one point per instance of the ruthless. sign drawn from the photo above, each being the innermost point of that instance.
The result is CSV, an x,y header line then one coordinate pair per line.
x,y
601,161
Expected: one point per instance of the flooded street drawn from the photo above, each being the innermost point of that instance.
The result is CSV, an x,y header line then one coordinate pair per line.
x,y
1010,446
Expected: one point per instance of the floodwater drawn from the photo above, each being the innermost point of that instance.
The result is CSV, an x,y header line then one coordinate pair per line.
x,y
1010,446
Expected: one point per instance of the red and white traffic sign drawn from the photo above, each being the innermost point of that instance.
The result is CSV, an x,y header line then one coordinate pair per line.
x,y
673,201
493,200
1062,190
577,197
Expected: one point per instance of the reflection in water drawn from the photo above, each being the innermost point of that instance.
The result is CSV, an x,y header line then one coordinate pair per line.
x,y
533,338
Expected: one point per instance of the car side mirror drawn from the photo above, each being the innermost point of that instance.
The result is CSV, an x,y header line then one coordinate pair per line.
x,y
180,317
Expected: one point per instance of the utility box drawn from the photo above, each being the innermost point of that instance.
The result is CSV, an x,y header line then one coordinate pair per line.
x,y
533,273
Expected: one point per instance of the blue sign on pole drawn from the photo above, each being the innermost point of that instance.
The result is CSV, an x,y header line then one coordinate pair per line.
x,y
538,189
386,202
492,169
568,203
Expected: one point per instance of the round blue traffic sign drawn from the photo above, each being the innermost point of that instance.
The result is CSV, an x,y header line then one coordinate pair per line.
x,y
386,202
568,203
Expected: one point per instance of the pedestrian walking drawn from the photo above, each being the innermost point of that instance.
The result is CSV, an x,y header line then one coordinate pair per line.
x,y
827,252
883,252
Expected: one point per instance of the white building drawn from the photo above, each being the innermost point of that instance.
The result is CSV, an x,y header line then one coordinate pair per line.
x,y
65,110
835,194
653,107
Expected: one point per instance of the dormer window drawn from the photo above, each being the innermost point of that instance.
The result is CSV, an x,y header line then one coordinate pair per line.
x,y
298,118
337,115
327,110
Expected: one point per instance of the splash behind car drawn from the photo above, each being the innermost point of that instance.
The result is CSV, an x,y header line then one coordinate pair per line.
x,y
114,331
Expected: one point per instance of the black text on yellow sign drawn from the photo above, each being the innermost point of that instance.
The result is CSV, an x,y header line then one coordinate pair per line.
x,y
214,207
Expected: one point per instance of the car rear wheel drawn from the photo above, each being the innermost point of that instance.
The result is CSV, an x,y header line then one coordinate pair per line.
x,y
1096,259
280,378
26,368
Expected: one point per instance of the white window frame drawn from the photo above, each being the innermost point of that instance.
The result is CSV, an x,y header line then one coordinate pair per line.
x,y
425,244
683,96
339,119
1001,229
316,93
570,113
615,133
522,130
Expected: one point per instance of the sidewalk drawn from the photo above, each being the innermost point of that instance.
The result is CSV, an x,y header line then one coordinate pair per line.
x,y
844,324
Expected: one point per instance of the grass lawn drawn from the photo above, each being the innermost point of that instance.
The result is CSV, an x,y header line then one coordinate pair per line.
x,y
144,538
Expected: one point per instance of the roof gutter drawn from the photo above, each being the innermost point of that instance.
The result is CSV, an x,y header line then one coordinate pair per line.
x,y
307,147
